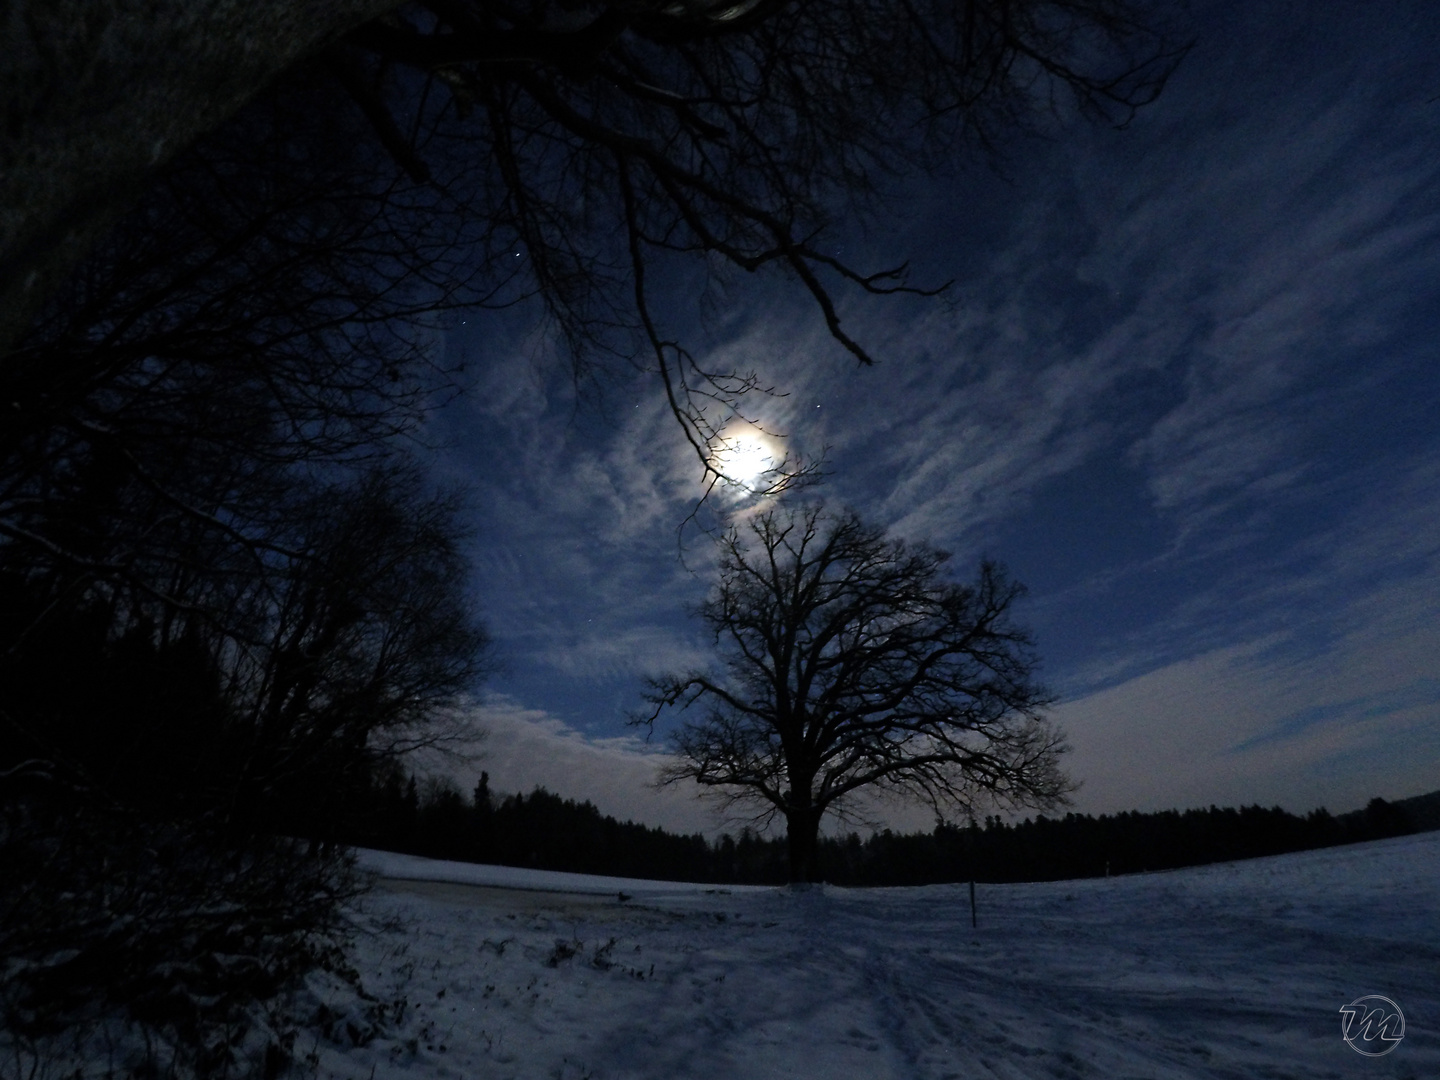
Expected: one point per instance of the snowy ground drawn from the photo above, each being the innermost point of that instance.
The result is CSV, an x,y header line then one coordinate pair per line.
x,y
1235,971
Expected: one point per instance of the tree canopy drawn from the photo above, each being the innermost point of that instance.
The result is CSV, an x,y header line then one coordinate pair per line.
x,y
595,141
850,664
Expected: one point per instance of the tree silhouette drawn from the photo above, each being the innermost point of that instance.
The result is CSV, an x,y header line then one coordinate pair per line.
x,y
598,141
162,749
849,663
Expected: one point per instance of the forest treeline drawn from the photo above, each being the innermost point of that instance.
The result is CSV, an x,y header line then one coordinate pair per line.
x,y
545,831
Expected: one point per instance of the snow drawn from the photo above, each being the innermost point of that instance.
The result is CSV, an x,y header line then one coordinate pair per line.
x,y
1237,970
391,866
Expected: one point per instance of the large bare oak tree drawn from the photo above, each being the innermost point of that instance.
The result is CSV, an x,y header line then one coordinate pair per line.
x,y
850,663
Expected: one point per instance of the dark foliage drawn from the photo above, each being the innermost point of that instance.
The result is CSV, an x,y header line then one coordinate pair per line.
x,y
174,940
544,831
226,596
250,694
151,753
185,934
598,142
258,318
538,830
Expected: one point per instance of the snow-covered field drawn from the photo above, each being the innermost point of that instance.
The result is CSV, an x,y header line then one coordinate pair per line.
x,y
1236,971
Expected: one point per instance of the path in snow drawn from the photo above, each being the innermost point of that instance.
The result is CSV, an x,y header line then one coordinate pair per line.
x,y
1230,971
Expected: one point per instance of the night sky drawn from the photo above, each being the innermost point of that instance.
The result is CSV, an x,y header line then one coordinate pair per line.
x,y
1185,385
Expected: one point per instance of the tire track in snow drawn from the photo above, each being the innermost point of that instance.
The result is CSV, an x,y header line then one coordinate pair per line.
x,y
1219,973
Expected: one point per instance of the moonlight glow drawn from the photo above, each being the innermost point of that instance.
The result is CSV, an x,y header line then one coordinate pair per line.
x,y
745,455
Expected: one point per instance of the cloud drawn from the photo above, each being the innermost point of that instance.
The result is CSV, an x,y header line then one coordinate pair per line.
x,y
1256,723
523,748
635,650
1371,572
1291,244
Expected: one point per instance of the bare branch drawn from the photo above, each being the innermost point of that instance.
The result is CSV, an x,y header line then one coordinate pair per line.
x,y
851,664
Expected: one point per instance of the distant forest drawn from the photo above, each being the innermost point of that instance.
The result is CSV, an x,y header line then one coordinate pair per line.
x,y
545,831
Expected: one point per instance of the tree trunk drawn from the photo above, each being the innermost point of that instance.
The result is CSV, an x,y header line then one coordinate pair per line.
x,y
99,94
802,832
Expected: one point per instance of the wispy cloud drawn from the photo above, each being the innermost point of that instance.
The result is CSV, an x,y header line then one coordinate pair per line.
x,y
1235,726
524,748
1369,569
637,650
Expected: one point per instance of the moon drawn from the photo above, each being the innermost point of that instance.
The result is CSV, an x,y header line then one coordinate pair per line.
x,y
745,455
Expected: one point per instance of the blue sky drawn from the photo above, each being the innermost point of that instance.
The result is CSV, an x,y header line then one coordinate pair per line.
x,y
1185,386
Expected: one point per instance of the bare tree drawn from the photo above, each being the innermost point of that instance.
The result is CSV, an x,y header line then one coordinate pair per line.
x,y
208,439
271,684
849,663
262,315
161,748
360,647
599,140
